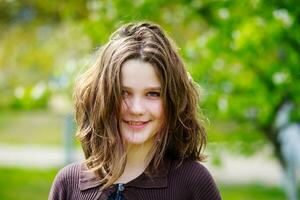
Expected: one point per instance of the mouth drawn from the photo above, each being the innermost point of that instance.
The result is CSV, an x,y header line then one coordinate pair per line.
x,y
136,124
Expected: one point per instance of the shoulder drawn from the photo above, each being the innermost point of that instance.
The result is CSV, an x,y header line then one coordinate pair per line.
x,y
66,179
189,167
195,168
70,171
192,170
196,178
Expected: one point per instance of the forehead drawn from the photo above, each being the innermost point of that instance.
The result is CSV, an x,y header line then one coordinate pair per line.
x,y
136,73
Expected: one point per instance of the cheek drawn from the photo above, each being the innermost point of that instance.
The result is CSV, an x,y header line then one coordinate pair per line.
x,y
157,109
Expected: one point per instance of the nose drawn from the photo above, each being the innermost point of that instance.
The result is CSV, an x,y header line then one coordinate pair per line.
x,y
136,106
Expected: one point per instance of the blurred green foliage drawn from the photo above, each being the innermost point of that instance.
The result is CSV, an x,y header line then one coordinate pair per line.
x,y
37,127
245,55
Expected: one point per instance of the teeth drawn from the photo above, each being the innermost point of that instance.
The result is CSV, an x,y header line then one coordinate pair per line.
x,y
135,123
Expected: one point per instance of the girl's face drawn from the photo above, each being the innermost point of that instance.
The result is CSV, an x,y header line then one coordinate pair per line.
x,y
142,110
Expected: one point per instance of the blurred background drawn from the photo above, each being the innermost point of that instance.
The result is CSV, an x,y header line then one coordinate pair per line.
x,y
244,54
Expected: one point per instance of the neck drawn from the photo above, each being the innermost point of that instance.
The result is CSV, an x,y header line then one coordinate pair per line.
x,y
137,162
137,155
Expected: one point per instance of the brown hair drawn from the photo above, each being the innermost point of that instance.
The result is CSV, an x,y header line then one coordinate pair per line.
x,y
98,96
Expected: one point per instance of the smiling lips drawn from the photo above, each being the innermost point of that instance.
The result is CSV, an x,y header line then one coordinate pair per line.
x,y
136,124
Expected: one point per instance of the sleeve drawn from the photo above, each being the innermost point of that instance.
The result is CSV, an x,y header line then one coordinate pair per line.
x,y
202,184
65,185
58,190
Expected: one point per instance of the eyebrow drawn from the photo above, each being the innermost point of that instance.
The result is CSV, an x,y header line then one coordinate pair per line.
x,y
148,88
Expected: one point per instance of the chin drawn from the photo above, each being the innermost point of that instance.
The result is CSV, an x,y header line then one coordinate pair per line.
x,y
137,139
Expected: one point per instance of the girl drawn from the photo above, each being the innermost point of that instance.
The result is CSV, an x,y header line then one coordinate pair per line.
x,y
138,124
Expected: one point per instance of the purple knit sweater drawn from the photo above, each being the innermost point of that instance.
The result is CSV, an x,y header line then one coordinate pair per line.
x,y
190,181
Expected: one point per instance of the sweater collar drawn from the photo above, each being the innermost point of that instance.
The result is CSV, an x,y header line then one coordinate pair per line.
x,y
89,180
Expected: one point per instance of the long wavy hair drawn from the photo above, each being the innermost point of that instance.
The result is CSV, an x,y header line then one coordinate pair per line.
x,y
98,97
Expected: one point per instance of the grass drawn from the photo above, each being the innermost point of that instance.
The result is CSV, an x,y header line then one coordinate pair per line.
x,y
25,184
31,184
251,192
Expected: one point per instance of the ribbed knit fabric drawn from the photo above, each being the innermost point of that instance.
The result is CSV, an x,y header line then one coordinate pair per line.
x,y
190,181
66,185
